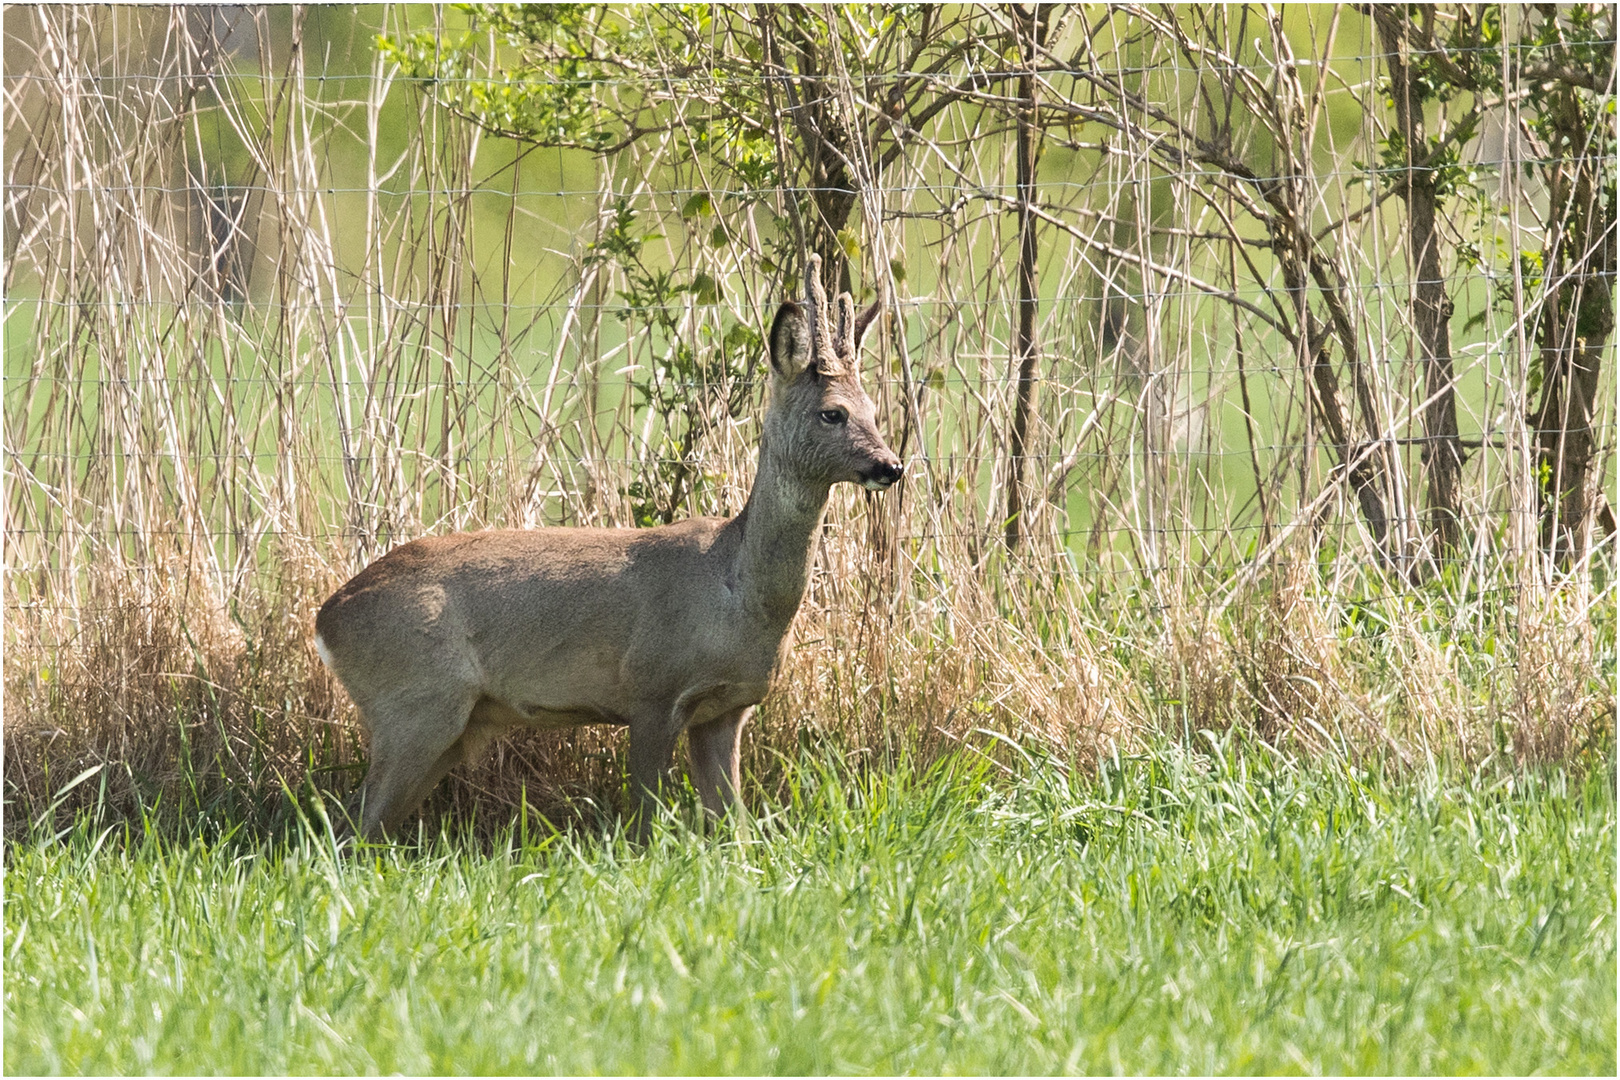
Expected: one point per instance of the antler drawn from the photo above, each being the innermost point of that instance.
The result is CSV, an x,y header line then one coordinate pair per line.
x,y
846,325
821,321
832,353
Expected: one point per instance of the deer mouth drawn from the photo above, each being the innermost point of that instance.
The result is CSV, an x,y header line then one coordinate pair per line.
x,y
883,477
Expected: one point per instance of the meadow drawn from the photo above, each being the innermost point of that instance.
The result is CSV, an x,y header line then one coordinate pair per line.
x,y
1225,910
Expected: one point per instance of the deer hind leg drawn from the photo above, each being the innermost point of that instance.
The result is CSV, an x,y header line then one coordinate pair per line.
x,y
714,759
415,739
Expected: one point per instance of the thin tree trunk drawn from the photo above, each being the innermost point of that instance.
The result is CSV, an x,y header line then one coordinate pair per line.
x,y
1577,320
825,139
1031,24
1431,307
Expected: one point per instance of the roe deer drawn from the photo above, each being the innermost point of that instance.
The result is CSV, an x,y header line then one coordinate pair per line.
x,y
446,641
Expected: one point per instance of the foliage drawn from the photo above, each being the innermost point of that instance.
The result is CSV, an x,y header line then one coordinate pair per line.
x,y
603,79
1563,58
694,379
582,77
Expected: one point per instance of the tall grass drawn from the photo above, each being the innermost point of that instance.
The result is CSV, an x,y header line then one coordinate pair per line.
x,y
1218,910
269,312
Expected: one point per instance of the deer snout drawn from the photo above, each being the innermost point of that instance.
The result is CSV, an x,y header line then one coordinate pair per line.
x,y
881,477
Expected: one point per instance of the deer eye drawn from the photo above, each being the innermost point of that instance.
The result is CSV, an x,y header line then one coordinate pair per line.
x,y
833,416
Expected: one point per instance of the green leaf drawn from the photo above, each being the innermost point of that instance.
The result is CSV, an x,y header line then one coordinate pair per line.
x,y
705,289
699,205
851,243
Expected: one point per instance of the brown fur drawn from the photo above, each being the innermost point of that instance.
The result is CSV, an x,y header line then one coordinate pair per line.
x,y
445,641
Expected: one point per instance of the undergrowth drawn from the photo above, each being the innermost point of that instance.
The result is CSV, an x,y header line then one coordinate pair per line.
x,y
186,708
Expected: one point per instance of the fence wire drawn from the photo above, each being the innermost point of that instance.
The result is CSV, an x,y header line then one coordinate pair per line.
x,y
265,282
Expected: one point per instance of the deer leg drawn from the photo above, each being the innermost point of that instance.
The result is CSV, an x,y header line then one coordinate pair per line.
x,y
652,748
712,752
415,740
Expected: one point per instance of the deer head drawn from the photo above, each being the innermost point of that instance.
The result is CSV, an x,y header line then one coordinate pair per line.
x,y
821,426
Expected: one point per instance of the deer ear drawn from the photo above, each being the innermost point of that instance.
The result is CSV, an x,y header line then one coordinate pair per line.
x,y
790,342
864,321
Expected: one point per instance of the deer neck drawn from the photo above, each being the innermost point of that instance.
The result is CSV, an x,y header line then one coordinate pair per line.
x,y
779,526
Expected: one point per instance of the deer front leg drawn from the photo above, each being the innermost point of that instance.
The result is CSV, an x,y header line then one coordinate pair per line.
x,y
652,747
713,752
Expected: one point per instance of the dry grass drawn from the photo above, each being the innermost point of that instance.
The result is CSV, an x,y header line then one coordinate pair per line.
x,y
1560,704
196,708
209,428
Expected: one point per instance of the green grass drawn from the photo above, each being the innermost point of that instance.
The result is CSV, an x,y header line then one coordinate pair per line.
x,y
1212,912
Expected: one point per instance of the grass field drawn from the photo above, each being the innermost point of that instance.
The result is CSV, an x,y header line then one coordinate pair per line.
x,y
1227,911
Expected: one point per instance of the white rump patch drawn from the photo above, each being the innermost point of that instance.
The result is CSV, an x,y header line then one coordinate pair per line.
x,y
324,653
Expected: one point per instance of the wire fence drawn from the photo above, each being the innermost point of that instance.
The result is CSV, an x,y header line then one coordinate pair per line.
x,y
268,281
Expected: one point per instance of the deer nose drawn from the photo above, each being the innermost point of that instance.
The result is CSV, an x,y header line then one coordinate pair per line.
x,y
883,475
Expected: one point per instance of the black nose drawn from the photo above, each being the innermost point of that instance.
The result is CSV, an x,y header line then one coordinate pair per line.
x,y
883,475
